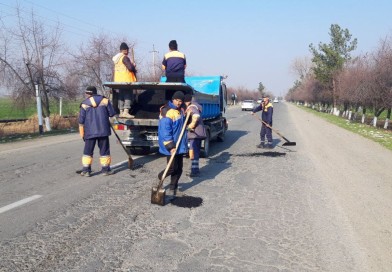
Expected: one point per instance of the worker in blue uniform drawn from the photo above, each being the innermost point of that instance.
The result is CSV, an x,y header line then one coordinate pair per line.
x,y
94,127
267,111
171,122
174,64
196,133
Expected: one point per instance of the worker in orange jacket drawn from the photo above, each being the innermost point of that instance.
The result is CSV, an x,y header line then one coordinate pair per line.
x,y
124,71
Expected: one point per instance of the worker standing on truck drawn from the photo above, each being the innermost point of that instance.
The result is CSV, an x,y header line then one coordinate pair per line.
x,y
94,127
174,64
124,71
196,133
171,122
267,111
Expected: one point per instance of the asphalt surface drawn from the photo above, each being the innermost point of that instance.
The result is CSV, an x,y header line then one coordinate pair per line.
x,y
318,206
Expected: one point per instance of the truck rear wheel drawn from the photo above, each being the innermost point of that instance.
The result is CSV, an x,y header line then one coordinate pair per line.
x,y
205,152
221,136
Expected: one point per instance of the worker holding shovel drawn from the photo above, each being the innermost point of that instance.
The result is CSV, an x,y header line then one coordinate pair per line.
x,y
171,123
266,116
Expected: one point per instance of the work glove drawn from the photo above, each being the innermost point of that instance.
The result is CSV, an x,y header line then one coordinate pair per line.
x,y
81,131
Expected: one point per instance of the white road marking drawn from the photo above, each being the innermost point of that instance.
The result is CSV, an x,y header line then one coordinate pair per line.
x,y
118,164
19,203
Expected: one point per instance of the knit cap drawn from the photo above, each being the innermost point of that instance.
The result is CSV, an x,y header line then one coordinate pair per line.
x,y
91,90
178,95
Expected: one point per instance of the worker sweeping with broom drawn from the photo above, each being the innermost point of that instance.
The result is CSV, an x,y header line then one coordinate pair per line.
x,y
266,116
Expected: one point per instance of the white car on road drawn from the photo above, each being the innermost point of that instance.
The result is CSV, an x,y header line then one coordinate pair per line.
x,y
248,105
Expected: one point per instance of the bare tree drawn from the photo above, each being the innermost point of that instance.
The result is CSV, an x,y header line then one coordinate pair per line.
x,y
301,67
353,83
31,55
92,63
382,74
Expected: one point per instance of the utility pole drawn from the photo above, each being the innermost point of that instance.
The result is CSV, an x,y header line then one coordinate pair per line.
x,y
153,59
38,98
39,109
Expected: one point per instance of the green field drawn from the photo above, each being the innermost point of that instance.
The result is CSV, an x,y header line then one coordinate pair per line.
x,y
9,110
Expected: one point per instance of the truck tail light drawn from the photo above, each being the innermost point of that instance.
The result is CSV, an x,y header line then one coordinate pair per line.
x,y
120,127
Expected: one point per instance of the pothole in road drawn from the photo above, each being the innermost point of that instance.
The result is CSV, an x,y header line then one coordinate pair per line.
x,y
187,202
260,154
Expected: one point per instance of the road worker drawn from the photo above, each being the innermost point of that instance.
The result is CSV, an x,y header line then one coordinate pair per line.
x,y
174,64
124,71
267,111
171,122
196,133
94,127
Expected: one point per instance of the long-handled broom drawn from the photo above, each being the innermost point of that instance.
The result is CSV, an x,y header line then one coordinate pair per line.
x,y
287,143
130,160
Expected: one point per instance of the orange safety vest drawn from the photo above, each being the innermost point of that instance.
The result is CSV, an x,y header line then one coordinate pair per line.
x,y
121,73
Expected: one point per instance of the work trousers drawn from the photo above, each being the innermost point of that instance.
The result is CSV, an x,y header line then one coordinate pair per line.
x,y
265,131
194,154
174,171
125,98
180,79
104,152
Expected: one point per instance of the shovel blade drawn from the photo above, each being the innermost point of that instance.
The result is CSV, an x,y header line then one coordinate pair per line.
x,y
130,163
289,144
158,196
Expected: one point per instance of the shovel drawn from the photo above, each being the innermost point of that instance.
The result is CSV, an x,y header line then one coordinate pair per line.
x,y
130,160
287,143
158,193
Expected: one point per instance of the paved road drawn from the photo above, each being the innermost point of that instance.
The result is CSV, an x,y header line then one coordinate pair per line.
x,y
324,205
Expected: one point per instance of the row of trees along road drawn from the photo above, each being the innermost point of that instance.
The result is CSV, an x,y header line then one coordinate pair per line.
x,y
33,53
335,80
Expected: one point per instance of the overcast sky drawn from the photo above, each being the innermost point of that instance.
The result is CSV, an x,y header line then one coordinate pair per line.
x,y
249,41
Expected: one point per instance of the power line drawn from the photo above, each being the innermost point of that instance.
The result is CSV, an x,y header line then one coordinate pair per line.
x,y
47,19
62,14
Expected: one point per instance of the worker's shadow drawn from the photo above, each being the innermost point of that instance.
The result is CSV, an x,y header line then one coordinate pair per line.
x,y
217,160
277,150
214,166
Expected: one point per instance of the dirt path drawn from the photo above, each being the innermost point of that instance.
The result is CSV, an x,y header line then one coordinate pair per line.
x,y
358,173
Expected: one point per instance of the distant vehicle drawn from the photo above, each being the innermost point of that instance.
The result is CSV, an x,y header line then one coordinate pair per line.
x,y
276,100
248,105
259,100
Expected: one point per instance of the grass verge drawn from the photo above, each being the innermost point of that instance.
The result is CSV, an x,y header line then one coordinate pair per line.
x,y
379,135
35,135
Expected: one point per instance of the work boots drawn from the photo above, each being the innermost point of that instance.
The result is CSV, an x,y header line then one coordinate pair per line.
x,y
126,114
121,114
